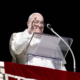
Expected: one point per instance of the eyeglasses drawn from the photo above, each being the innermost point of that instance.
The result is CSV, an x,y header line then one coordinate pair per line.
x,y
37,22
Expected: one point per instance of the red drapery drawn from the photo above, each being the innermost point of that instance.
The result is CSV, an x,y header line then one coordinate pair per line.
x,y
39,73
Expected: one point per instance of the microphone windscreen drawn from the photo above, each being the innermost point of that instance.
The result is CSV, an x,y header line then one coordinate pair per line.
x,y
49,26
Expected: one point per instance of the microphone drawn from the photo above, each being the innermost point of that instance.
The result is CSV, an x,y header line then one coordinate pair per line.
x,y
74,64
49,26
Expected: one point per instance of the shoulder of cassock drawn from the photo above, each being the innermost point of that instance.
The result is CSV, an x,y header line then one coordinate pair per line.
x,y
13,37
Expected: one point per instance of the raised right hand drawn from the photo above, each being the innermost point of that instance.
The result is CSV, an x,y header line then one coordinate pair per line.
x,y
30,25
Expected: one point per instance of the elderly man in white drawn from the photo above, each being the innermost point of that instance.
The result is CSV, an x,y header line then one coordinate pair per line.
x,y
19,42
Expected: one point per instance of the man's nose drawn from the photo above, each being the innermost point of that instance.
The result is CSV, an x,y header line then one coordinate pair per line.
x,y
39,25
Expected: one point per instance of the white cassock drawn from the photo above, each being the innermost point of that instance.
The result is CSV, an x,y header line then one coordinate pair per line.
x,y
18,45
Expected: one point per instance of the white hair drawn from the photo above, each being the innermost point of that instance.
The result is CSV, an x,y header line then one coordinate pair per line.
x,y
33,14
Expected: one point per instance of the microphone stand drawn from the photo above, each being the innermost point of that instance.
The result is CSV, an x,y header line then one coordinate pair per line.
x,y
74,64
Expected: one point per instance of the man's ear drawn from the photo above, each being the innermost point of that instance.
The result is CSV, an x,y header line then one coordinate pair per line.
x,y
27,24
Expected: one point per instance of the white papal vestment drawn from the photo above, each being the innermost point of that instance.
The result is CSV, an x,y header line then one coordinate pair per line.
x,y
18,45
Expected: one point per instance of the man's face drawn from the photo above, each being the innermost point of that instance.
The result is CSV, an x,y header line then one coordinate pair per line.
x,y
38,23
